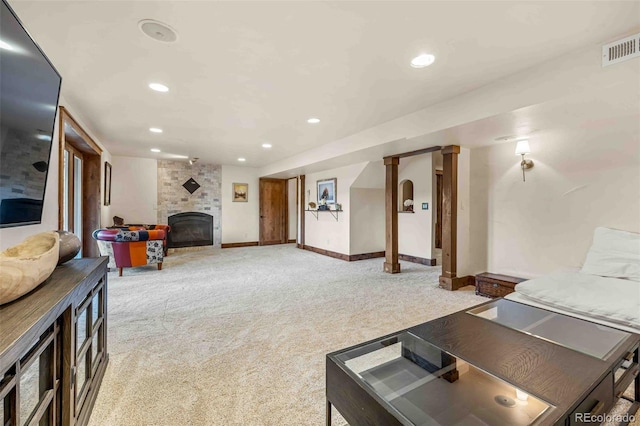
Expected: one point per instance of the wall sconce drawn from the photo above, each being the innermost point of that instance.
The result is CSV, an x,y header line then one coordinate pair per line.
x,y
522,148
193,160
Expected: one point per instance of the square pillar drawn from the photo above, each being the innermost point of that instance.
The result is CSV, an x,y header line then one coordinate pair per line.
x,y
391,264
449,280
301,209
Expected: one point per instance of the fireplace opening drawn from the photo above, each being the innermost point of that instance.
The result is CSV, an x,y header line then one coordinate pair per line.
x,y
190,229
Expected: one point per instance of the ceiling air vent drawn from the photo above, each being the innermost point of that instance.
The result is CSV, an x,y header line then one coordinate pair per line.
x,y
621,50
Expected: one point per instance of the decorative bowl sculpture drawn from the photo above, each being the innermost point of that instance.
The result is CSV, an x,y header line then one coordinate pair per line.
x,y
69,246
25,266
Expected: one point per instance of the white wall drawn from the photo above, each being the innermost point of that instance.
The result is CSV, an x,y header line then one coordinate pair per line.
x,y
583,177
325,232
293,208
464,253
367,212
373,176
134,189
367,216
240,221
12,236
415,229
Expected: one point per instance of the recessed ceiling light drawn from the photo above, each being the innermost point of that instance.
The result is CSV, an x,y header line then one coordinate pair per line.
x,y
44,137
5,45
242,159
158,87
422,61
266,145
155,150
313,120
155,130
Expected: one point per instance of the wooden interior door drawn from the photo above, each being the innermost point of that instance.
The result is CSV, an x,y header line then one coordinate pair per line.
x,y
273,211
438,239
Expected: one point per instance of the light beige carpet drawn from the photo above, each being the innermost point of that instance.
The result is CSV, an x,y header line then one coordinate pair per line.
x,y
239,336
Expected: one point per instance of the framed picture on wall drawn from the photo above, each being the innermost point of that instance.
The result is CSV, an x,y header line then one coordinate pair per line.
x,y
107,183
327,191
240,192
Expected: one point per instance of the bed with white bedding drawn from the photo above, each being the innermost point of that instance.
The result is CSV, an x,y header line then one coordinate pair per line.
x,y
606,290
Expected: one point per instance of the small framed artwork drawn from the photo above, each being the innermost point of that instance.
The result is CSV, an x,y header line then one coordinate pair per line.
x,y
327,191
425,206
107,183
240,192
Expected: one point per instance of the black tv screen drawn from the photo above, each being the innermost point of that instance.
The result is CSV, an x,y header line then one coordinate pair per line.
x,y
29,90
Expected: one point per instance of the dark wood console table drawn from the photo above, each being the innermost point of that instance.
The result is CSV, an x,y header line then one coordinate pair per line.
x,y
53,347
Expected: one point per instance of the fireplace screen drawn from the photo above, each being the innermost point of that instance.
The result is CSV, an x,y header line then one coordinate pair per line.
x,y
190,229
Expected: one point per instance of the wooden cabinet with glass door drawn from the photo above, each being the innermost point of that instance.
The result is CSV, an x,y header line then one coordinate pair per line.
x,y
90,351
53,347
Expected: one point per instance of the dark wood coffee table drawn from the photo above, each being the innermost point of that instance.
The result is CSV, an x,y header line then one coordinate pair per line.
x,y
471,367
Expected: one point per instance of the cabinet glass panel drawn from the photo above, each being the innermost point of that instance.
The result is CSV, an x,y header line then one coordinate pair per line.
x,y
424,385
81,374
94,349
45,420
29,391
95,308
580,335
7,408
81,330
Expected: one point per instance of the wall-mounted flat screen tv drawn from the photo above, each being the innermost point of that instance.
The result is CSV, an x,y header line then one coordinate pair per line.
x,y
29,90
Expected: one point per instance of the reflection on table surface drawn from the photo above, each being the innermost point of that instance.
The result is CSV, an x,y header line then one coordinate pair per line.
x,y
426,385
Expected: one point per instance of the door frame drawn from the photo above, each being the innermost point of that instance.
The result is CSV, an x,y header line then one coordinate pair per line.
x,y
285,212
438,207
70,133
70,202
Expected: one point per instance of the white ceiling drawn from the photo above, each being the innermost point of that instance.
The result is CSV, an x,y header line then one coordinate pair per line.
x,y
246,73
590,117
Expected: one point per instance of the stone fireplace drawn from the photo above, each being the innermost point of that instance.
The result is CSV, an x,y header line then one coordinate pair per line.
x,y
190,188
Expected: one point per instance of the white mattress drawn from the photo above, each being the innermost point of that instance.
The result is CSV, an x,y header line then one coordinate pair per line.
x,y
609,301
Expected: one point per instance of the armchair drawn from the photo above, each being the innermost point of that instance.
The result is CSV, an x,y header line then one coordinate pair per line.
x,y
127,248
138,227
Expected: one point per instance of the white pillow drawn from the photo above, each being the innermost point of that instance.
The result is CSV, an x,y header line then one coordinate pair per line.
x,y
614,254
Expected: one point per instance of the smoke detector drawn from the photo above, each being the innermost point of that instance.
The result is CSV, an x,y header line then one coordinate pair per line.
x,y
158,31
